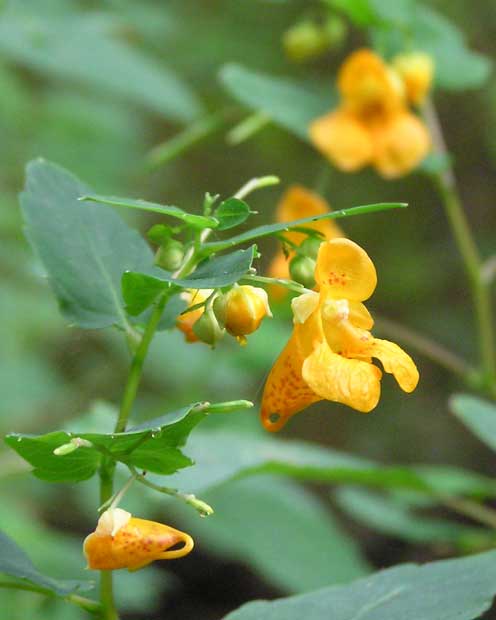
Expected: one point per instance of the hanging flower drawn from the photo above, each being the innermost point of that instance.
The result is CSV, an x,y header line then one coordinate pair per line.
x,y
242,309
329,355
372,125
123,541
296,203
186,321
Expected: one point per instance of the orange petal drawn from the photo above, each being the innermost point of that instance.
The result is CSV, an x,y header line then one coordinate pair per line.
x,y
360,316
285,392
345,270
343,140
400,145
339,379
396,362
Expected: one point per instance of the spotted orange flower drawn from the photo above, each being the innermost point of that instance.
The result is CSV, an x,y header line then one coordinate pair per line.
x,y
372,125
329,355
123,541
296,203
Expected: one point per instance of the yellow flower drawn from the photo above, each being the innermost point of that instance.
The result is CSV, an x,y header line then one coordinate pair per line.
x,y
372,125
123,541
242,309
416,70
296,203
186,321
329,355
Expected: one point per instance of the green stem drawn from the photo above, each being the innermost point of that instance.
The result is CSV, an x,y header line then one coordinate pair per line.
x,y
289,284
446,184
469,508
88,604
109,611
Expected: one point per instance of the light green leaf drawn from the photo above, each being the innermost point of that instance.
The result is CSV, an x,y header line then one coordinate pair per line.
x,y
153,446
15,563
478,415
461,589
290,104
231,213
81,48
84,248
302,534
189,218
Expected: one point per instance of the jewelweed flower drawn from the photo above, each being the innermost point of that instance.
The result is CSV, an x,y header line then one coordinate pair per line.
x,y
123,541
242,309
296,203
186,321
416,71
372,124
329,355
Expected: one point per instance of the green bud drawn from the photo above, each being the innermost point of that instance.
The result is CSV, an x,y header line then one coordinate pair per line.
x,y
309,38
302,270
170,256
207,328
310,247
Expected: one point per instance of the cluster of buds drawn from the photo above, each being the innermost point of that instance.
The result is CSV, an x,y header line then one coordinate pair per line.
x,y
238,312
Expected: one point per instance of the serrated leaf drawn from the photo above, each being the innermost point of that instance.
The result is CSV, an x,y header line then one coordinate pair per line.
x,y
153,446
81,48
84,248
461,589
478,415
232,212
199,221
15,563
290,104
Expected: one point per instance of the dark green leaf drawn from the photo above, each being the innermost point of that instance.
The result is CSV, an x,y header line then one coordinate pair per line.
x,y
15,563
232,212
271,229
84,248
461,589
140,291
153,446
199,221
290,104
478,415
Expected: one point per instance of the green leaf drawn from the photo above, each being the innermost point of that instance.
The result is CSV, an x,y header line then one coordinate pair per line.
x,y
84,248
461,589
81,49
290,104
272,229
395,517
478,415
140,291
15,563
153,446
232,212
212,273
199,221
239,456
372,12
302,534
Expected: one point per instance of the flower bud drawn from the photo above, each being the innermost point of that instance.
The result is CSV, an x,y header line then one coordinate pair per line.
x,y
301,269
417,71
207,328
242,309
170,256
185,321
309,39
310,247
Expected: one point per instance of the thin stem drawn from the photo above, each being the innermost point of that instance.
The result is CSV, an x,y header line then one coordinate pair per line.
x,y
88,604
289,284
256,183
446,185
469,508
247,128
109,611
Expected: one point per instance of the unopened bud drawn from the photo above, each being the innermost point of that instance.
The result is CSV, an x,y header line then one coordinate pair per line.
x,y
310,247
170,256
309,39
417,71
302,269
242,309
207,328
74,444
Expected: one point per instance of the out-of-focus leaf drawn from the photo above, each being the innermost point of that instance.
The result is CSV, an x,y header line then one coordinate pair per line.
x,y
238,456
84,248
478,415
290,104
306,549
370,12
81,48
15,563
395,517
231,213
461,589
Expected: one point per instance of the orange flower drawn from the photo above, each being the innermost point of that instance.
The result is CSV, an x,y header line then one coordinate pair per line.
x,y
373,124
186,321
123,541
242,309
329,355
296,203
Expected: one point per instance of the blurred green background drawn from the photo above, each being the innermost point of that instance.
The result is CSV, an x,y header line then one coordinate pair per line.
x,y
94,86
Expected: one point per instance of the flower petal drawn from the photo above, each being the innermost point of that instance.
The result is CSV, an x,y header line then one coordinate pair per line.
x,y
349,381
343,140
396,362
345,270
285,392
400,145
